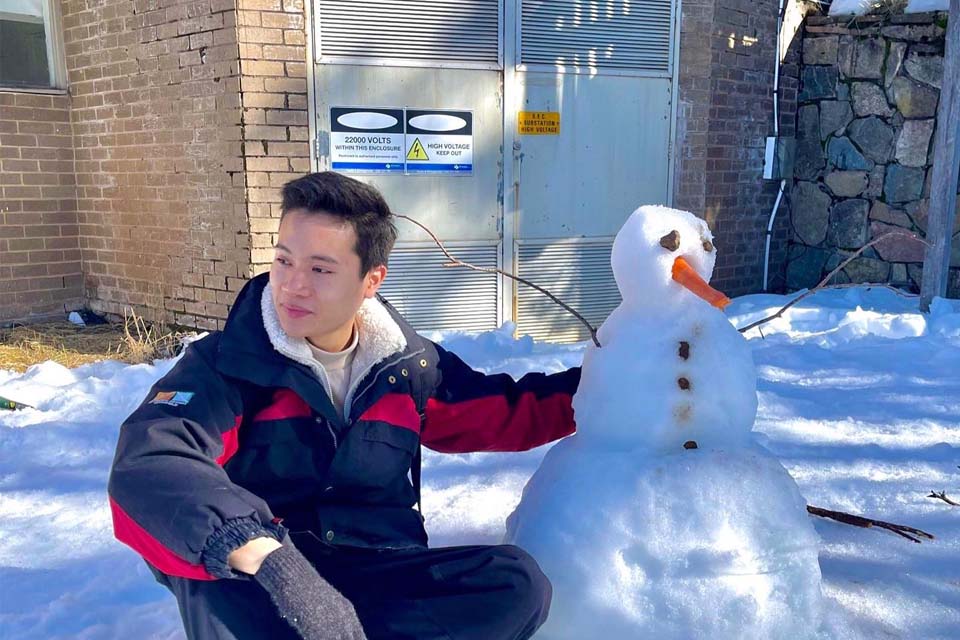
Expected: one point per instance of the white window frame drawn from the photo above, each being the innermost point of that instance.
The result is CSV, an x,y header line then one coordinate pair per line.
x,y
56,57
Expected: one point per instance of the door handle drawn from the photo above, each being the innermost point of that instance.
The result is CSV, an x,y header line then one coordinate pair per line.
x,y
517,173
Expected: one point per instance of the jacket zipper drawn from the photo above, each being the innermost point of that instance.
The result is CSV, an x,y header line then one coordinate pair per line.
x,y
348,401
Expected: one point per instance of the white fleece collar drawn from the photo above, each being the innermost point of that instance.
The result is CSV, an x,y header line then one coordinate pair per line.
x,y
380,337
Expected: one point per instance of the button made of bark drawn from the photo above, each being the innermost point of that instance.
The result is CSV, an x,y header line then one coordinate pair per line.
x,y
684,350
683,383
707,246
690,444
671,241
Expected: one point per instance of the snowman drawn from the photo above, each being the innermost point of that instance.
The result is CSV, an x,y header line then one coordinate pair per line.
x,y
661,518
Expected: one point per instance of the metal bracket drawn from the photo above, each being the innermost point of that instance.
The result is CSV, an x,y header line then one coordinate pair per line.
x,y
322,147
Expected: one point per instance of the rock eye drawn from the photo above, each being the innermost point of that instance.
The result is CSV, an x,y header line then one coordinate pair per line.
x,y
707,246
671,241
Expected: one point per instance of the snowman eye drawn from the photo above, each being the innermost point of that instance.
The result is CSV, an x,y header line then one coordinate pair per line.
x,y
707,246
671,241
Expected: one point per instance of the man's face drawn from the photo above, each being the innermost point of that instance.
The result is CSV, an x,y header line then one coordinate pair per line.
x,y
315,277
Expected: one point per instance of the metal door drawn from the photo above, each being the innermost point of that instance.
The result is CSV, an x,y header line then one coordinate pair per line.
x,y
548,207
608,69
428,55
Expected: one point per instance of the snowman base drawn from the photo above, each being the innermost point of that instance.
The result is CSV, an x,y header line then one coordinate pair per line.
x,y
699,544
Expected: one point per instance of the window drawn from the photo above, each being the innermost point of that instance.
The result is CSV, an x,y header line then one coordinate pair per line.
x,y
29,45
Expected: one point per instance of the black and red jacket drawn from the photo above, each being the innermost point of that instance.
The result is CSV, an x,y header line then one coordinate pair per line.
x,y
239,435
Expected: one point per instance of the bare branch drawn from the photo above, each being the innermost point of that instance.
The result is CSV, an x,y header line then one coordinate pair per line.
x,y
943,496
823,283
456,262
866,523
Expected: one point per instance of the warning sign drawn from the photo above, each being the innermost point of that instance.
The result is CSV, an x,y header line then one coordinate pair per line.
x,y
401,141
439,142
538,123
416,151
367,140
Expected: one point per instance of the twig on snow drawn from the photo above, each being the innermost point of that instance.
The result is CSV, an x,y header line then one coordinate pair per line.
x,y
823,283
456,262
867,523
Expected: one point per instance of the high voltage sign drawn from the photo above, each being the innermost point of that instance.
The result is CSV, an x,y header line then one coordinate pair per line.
x,y
401,141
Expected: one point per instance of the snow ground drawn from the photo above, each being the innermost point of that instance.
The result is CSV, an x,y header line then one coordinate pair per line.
x,y
859,399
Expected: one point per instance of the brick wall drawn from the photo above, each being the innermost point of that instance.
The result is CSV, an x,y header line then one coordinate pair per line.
x,y
40,270
274,96
158,137
725,114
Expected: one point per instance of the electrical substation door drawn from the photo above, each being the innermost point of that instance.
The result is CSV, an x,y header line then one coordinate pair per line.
x,y
521,133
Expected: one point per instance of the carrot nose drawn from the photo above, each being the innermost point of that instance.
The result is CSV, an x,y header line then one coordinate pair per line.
x,y
689,278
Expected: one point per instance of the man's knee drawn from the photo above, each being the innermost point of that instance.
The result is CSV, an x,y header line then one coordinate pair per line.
x,y
532,589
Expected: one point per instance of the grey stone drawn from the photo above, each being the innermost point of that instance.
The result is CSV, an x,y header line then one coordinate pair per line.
x,y
840,277
806,269
810,212
867,270
848,224
898,274
846,184
914,33
820,50
896,248
873,136
818,83
875,187
919,212
843,91
914,142
913,99
953,283
834,116
894,62
902,184
884,213
845,55
915,272
808,156
844,156
869,100
925,68
862,58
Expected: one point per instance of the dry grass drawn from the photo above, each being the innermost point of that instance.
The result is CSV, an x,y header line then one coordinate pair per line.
x,y
133,341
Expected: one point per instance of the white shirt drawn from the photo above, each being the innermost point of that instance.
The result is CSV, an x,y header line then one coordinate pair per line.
x,y
338,366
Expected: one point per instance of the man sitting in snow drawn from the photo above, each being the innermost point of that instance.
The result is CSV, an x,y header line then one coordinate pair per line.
x,y
279,460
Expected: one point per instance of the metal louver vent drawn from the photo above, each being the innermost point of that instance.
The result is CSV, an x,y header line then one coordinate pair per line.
x,y
423,30
579,273
620,34
433,297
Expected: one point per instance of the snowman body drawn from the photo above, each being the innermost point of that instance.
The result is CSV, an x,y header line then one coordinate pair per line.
x,y
661,518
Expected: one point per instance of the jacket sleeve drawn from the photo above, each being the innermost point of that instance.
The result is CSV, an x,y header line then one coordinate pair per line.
x,y
470,411
170,498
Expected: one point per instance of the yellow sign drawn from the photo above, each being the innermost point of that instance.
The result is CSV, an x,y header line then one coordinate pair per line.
x,y
538,123
417,152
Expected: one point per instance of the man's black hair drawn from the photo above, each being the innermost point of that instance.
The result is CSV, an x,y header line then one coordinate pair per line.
x,y
356,202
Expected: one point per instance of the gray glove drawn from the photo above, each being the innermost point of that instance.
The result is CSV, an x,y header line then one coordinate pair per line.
x,y
305,600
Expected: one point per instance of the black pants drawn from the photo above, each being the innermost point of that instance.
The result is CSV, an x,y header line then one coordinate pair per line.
x,y
456,593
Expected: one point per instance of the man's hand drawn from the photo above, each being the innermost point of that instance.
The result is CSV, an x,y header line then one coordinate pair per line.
x,y
249,557
304,599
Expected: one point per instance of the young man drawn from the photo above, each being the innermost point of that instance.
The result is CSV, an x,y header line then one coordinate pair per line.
x,y
270,479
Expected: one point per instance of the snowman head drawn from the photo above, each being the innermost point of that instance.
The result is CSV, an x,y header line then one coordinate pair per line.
x,y
664,256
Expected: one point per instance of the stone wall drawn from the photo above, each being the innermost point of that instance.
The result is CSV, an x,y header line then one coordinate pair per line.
x,y
868,106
